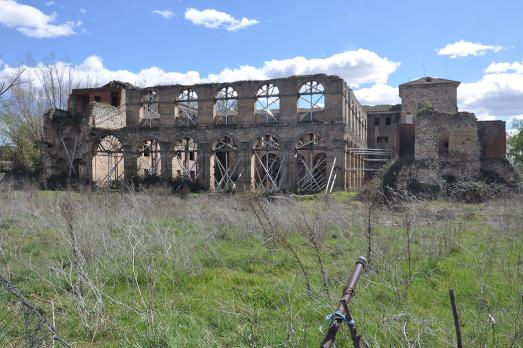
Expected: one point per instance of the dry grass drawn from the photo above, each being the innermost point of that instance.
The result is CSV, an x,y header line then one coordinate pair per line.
x,y
236,270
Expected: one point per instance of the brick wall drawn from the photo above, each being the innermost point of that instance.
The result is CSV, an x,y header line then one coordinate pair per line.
x,y
492,139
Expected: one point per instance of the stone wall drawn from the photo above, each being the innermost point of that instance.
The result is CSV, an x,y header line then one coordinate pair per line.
x,y
105,116
493,139
339,121
451,141
383,128
441,94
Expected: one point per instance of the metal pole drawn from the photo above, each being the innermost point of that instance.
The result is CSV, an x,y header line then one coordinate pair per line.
x,y
455,314
330,176
330,336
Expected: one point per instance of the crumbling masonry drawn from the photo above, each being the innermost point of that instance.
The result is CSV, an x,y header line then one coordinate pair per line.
x,y
289,134
296,134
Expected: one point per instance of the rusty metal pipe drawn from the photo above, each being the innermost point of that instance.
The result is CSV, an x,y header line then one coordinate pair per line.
x,y
348,293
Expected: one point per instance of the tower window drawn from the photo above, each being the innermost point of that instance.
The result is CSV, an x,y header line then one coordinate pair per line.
x,y
388,121
382,140
376,121
114,99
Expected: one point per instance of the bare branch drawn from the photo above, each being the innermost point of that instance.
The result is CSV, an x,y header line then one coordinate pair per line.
x,y
6,86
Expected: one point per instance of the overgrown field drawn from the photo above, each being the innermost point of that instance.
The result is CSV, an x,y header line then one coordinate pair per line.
x,y
154,270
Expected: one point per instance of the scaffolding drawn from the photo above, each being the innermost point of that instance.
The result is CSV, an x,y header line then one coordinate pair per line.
x,y
311,159
362,163
226,165
108,161
269,166
187,107
149,158
185,166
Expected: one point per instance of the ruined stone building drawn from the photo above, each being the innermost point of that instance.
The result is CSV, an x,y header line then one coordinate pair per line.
x,y
428,128
289,134
297,134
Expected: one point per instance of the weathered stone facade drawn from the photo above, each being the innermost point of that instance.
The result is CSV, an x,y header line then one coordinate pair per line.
x,y
302,133
383,127
441,94
296,134
451,142
441,141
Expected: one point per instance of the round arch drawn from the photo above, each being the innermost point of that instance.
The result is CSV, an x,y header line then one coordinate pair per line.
x,y
108,161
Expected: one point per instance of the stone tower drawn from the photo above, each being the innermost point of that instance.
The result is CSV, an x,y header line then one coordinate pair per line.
x,y
441,94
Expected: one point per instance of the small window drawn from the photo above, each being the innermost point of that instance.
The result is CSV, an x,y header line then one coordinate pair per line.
x,y
382,140
191,156
388,121
97,98
376,121
114,99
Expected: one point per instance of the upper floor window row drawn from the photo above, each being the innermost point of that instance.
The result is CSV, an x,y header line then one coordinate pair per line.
x,y
311,99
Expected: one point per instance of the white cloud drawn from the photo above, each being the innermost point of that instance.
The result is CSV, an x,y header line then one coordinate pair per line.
x,y
486,117
515,67
32,22
377,94
211,18
499,93
466,48
166,14
356,67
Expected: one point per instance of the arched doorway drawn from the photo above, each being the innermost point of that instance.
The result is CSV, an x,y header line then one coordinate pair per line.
x,y
311,164
268,168
108,161
225,165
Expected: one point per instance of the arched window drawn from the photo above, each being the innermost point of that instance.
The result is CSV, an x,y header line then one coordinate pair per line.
x,y
268,103
187,107
226,107
311,99
149,162
149,109
312,164
268,168
185,161
225,165
108,161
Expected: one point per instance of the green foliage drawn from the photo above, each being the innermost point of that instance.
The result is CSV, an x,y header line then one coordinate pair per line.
x,y
199,272
515,145
26,154
425,106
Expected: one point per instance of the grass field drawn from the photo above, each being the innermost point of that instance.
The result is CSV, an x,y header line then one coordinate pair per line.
x,y
154,270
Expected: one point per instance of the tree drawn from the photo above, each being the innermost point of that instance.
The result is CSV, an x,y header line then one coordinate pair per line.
x,y
515,145
5,86
33,90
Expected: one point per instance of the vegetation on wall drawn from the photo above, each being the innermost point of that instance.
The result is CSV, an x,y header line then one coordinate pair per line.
x,y
515,145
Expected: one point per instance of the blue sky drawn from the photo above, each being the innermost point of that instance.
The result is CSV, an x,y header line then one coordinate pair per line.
x,y
374,44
